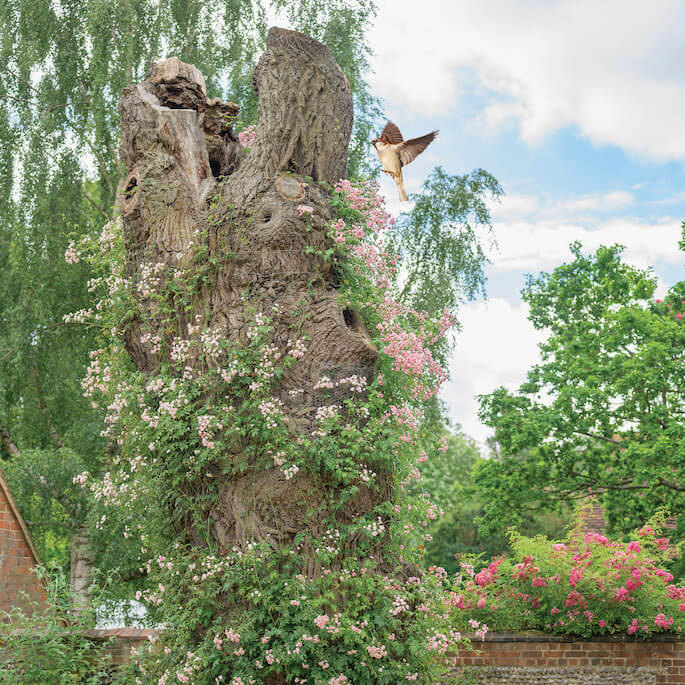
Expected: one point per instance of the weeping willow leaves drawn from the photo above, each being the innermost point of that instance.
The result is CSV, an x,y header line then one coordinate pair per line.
x,y
441,240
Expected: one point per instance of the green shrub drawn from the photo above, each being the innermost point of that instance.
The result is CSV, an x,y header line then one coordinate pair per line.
x,y
46,644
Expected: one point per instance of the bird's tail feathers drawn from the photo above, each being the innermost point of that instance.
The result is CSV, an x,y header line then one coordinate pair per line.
x,y
403,193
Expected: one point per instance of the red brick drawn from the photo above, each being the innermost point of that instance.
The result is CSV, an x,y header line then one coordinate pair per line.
x,y
17,555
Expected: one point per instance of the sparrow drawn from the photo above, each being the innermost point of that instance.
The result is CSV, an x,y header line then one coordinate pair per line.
x,y
395,152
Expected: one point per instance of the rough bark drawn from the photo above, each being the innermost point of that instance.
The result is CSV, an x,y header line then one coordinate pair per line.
x,y
175,145
82,560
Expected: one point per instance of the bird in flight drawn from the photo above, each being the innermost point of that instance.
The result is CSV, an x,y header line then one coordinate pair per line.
x,y
395,152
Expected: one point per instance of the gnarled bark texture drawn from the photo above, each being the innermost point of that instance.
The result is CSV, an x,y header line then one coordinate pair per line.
x,y
82,562
188,181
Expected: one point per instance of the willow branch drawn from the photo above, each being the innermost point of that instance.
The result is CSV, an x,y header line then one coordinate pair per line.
x,y
7,442
94,204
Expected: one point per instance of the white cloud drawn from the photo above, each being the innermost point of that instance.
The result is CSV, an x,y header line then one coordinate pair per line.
x,y
514,205
534,232
611,68
496,347
532,245
617,199
676,198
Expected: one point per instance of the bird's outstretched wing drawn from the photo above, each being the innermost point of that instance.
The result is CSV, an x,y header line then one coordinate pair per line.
x,y
411,149
391,133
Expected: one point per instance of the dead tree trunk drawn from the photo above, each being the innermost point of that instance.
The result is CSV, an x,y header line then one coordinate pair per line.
x,y
187,178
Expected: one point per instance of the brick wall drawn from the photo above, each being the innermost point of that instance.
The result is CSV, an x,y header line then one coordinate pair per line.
x,y
594,520
17,556
519,658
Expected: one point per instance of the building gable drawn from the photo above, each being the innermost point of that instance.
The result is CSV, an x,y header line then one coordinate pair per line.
x,y
18,556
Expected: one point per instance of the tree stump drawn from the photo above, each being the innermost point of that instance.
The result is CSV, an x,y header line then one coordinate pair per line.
x,y
190,182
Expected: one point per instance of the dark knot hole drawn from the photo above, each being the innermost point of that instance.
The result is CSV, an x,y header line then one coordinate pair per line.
x,y
215,166
353,320
129,198
131,188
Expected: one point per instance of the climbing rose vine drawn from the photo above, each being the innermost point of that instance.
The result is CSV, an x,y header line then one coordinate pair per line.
x,y
406,336
368,616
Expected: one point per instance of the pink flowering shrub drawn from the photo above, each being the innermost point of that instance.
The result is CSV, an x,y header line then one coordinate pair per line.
x,y
588,585
407,337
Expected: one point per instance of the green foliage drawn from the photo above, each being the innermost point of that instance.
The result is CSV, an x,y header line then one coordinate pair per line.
x,y
42,357
441,240
46,643
603,410
586,585
448,479
447,474
326,623
41,480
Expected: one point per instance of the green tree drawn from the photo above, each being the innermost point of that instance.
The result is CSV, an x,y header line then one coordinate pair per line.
x,y
448,478
603,411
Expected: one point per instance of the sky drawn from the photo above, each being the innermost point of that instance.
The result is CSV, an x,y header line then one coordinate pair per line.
x,y
577,109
